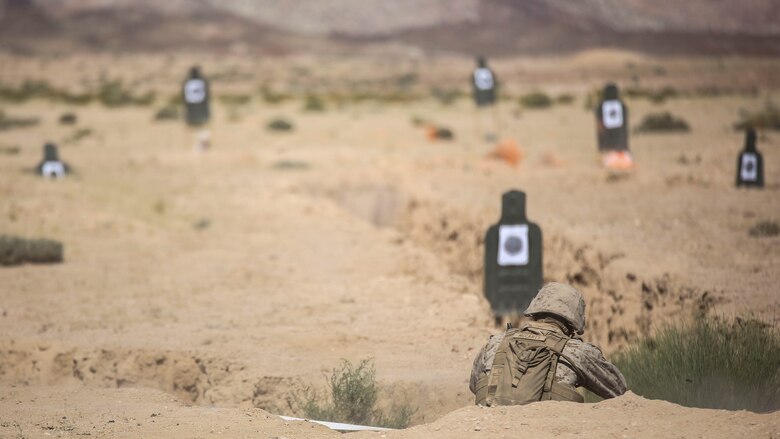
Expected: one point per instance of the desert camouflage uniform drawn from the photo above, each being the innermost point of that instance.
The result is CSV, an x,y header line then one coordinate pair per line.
x,y
582,364
597,374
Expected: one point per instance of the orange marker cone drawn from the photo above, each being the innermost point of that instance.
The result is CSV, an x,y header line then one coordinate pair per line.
x,y
509,151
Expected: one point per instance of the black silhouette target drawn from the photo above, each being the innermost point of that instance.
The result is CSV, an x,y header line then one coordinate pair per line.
x,y
750,163
513,258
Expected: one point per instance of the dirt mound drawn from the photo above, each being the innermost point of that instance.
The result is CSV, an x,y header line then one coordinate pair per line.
x,y
625,416
45,411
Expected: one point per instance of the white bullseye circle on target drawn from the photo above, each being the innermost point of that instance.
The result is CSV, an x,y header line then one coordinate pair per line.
x,y
483,79
749,169
612,114
195,91
513,245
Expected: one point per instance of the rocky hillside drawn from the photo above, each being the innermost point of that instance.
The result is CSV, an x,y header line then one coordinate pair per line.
x,y
490,26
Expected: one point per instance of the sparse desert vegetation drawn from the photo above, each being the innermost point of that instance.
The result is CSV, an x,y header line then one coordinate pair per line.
x,y
11,122
710,362
168,112
16,251
767,117
536,100
351,396
664,122
313,103
764,229
280,124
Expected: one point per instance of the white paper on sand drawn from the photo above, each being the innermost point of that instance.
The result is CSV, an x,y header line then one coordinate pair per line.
x,y
338,425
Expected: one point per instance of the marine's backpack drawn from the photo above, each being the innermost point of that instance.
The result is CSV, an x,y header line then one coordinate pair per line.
x,y
524,368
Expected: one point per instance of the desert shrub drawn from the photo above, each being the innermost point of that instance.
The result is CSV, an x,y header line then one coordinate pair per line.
x,y
419,121
710,363
381,96
663,122
10,150
9,122
280,125
42,90
235,99
201,224
79,134
656,96
75,98
16,251
26,91
351,396
113,94
565,99
765,118
168,112
68,119
440,133
313,103
290,165
407,80
272,97
764,229
593,98
176,100
659,96
446,96
536,99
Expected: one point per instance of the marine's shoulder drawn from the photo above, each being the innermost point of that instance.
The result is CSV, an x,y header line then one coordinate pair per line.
x,y
578,346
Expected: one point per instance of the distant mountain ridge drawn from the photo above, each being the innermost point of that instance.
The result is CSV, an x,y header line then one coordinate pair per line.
x,y
488,26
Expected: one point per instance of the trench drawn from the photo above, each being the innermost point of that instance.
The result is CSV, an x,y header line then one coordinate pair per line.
x,y
193,378
621,307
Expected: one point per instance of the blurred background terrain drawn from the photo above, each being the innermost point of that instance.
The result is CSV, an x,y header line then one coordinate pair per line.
x,y
492,27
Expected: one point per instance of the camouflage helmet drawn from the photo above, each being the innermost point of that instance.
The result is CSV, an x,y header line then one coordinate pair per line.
x,y
560,300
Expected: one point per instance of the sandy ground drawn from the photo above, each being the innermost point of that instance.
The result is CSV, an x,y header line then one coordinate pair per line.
x,y
222,277
130,413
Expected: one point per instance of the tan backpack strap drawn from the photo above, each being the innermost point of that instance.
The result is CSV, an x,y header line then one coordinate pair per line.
x,y
556,343
499,364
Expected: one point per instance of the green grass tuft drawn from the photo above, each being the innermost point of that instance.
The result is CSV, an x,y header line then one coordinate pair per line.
x,y
536,100
663,122
351,397
565,99
9,122
168,112
656,96
314,103
113,94
446,96
272,97
78,135
279,124
68,119
235,100
709,363
765,118
17,251
764,229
